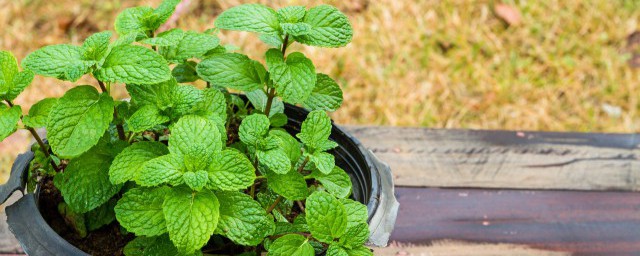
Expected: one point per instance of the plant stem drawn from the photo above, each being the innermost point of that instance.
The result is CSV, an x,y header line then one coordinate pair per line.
x,y
300,205
271,92
35,135
119,126
306,161
274,204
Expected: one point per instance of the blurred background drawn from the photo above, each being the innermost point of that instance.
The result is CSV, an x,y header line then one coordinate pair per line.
x,y
519,65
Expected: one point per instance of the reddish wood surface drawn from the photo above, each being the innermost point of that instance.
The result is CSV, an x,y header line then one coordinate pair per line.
x,y
573,221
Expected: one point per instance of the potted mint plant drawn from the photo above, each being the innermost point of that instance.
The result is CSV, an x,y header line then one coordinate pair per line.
x,y
182,170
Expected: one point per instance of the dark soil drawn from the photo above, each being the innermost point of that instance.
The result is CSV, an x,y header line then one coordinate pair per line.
x,y
107,241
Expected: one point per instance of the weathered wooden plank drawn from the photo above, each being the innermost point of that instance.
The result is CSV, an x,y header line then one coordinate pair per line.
x,y
506,159
605,223
461,248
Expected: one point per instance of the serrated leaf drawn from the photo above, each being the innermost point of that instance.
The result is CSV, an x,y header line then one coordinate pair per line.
x,y
183,99
337,182
292,244
103,215
326,95
326,216
167,38
290,145
185,72
271,39
78,121
191,217
336,250
96,46
146,118
61,61
164,169
8,70
140,211
39,113
232,70
359,251
323,161
355,236
133,64
191,45
275,159
159,95
85,184
242,219
195,139
126,166
329,27
150,246
9,118
259,99
20,82
294,78
164,12
230,170
249,17
316,129
291,14
356,212
253,128
296,29
133,21
291,186
213,104
196,180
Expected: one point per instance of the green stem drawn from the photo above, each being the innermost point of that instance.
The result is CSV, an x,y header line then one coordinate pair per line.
x,y
300,206
274,204
119,126
306,161
271,92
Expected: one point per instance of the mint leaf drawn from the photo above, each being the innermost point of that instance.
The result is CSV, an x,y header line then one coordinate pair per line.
x,y
253,128
336,250
190,45
9,118
323,161
290,145
230,170
326,216
242,219
133,21
337,182
291,14
85,184
20,82
140,211
185,72
232,70
78,121
271,39
183,99
133,64
315,129
73,219
296,29
196,180
249,17
61,61
359,251
103,215
329,27
39,113
275,159
278,119
148,246
195,139
126,166
259,98
291,186
191,217
96,46
291,244
159,95
268,197
163,13
8,70
355,236
164,169
213,104
326,95
294,78
146,118
167,38
356,212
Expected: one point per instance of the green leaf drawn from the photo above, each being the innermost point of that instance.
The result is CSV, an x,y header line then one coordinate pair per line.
x,y
242,219
356,212
296,29
163,12
140,211
61,61
196,180
337,182
185,72
160,170
167,38
195,139
39,113
355,236
103,215
359,251
275,159
253,128
126,166
315,129
292,244
150,246
159,95
323,161
278,120
249,17
268,197
85,184
133,21
294,78
78,121
183,100
232,70
272,39
20,82
231,170
336,250
326,216
73,219
133,64
213,104
191,217
8,70
291,14
291,186
290,145
146,118
329,27
9,118
96,46
326,95
259,99
191,45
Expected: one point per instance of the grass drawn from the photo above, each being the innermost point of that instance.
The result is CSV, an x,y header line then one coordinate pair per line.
x,y
441,64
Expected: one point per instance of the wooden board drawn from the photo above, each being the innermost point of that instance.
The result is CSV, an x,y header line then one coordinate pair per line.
x,y
506,159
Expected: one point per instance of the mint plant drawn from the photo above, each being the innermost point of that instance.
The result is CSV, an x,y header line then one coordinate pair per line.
x,y
189,169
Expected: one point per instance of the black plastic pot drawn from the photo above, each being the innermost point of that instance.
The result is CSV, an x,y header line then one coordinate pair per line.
x,y
371,178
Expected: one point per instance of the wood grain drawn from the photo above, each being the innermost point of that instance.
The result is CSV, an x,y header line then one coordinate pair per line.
x,y
506,159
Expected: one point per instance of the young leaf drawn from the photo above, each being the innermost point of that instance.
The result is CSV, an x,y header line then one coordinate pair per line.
x,y
160,170
329,27
296,29
9,118
159,95
294,78
140,211
291,186
230,170
326,216
39,113
190,45
146,118
336,250
147,246
355,236
289,145
196,180
232,70
191,217
253,128
213,104
163,13
292,244
323,161
133,21
183,99
195,139
20,82
271,39
291,14
275,159
78,121
185,72
356,212
337,182
326,95
249,17
315,129
242,219
96,46
12,82
259,99
61,61
126,166
167,38
133,64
